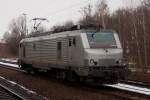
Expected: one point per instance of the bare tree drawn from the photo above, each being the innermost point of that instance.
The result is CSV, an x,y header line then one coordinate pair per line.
x,y
144,33
87,17
98,17
147,3
101,12
133,27
17,31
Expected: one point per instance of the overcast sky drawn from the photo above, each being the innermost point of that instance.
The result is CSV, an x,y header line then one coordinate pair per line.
x,y
56,11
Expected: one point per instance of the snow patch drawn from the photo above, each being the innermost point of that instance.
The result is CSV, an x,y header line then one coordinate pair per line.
x,y
10,60
8,64
29,91
132,88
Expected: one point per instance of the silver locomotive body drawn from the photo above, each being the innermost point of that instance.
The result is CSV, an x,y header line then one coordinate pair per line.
x,y
82,53
106,64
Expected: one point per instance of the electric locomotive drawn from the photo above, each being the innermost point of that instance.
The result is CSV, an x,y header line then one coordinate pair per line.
x,y
81,53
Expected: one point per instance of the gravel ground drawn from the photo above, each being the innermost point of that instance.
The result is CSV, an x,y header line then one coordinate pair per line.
x,y
54,89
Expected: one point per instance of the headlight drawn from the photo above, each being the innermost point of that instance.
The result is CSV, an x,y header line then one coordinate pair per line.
x,y
93,62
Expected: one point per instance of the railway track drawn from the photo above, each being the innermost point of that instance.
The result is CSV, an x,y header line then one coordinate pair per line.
x,y
124,91
7,94
17,91
12,91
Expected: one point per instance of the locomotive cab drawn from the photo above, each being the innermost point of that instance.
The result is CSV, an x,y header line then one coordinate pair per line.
x,y
104,56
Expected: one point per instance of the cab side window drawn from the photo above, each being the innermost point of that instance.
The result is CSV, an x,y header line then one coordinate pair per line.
x,y
59,50
20,45
72,41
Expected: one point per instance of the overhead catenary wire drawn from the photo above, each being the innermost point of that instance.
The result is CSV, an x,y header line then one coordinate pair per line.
x,y
51,14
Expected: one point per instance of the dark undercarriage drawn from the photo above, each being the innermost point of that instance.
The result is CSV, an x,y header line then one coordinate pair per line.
x,y
109,74
100,74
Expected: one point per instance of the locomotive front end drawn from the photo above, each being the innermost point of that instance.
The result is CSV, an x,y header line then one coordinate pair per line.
x,y
104,58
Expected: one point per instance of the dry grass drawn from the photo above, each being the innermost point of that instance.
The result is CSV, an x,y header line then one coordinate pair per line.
x,y
6,53
140,76
53,89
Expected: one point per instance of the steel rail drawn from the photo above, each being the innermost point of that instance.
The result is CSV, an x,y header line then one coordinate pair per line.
x,y
12,92
137,83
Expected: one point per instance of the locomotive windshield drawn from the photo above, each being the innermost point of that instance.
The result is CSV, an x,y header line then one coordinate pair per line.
x,y
101,40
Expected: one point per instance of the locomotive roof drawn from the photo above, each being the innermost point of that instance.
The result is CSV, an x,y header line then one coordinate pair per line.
x,y
56,35
52,36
